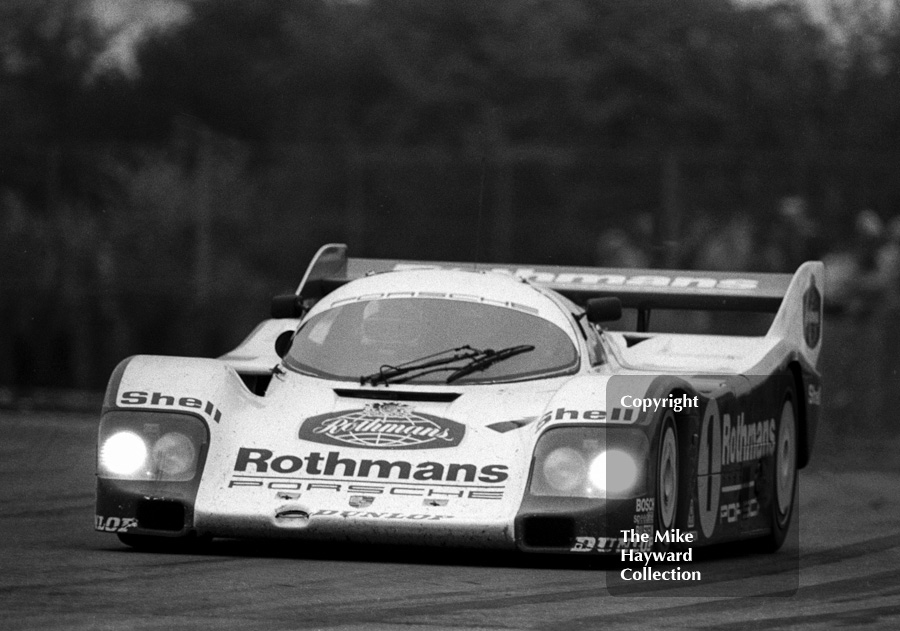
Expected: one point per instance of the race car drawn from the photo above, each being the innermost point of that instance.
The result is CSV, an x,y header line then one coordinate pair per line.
x,y
475,405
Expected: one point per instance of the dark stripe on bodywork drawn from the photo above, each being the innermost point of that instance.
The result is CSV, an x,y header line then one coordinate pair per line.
x,y
392,395
115,380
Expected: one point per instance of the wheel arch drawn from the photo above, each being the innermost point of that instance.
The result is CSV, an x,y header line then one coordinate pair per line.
x,y
804,442
687,422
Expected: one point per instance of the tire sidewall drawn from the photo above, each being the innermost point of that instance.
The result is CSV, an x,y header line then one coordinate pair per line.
x,y
667,480
780,518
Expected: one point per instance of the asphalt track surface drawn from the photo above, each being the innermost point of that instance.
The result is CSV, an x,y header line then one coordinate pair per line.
x,y
57,573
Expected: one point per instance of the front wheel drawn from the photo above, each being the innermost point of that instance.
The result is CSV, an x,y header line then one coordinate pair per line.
x,y
667,478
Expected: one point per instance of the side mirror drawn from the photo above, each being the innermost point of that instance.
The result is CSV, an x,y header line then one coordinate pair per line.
x,y
283,342
603,310
287,306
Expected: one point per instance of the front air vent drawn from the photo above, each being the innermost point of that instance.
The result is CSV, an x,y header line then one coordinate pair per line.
x,y
397,395
154,514
548,531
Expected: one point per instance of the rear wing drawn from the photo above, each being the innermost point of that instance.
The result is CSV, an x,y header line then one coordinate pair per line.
x,y
636,288
789,296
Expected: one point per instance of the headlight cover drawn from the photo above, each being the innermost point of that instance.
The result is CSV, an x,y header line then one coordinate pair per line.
x,y
590,462
157,446
123,453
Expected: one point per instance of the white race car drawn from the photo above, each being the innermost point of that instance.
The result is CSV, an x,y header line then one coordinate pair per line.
x,y
477,406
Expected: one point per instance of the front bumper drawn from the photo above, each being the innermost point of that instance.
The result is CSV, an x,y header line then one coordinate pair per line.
x,y
542,525
561,525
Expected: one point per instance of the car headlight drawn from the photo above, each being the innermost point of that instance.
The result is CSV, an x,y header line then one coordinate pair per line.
x,y
613,471
174,455
150,446
563,469
123,453
590,462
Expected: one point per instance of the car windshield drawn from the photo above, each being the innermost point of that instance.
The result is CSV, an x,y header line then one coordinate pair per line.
x,y
359,338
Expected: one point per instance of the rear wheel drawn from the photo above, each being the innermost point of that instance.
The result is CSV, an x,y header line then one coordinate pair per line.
x,y
784,477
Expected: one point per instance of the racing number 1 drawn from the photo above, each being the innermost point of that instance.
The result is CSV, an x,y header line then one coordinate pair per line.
x,y
709,468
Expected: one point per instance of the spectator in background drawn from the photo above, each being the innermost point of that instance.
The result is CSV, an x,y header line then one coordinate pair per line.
x,y
730,247
887,264
858,276
616,249
792,239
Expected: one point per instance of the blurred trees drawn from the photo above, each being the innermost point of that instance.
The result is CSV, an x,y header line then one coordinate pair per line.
x,y
156,212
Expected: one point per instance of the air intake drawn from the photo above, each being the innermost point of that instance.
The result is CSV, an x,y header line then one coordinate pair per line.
x,y
397,395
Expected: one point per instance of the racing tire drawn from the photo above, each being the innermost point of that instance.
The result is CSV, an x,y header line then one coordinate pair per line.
x,y
150,543
784,477
667,481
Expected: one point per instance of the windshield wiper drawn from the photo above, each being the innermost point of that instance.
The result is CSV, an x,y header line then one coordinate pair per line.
x,y
489,358
388,373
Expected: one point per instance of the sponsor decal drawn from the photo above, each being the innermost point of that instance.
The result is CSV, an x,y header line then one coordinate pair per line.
x,y
361,501
292,489
252,460
140,398
607,545
735,488
643,518
507,426
623,415
615,280
812,314
644,509
814,395
114,524
743,442
735,511
583,544
562,414
383,426
709,468
347,514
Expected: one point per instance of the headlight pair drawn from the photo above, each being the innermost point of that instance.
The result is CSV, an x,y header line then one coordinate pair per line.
x,y
586,462
150,446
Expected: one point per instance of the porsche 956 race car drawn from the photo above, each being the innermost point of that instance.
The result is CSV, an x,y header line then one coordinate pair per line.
x,y
449,404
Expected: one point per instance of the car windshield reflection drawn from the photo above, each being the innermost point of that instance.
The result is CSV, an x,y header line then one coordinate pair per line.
x,y
362,337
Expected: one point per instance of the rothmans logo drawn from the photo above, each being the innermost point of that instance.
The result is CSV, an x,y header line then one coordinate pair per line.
x,y
383,426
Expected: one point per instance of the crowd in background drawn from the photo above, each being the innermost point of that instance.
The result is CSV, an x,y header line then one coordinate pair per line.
x,y
154,206
862,268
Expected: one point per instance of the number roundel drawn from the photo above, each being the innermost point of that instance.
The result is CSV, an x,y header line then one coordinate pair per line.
x,y
709,468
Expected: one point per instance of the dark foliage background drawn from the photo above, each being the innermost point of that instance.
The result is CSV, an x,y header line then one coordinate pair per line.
x,y
156,208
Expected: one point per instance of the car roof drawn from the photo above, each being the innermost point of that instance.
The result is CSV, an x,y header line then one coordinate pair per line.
x,y
492,288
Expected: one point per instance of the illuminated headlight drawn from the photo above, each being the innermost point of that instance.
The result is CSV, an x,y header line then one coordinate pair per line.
x,y
590,462
150,446
613,472
123,453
